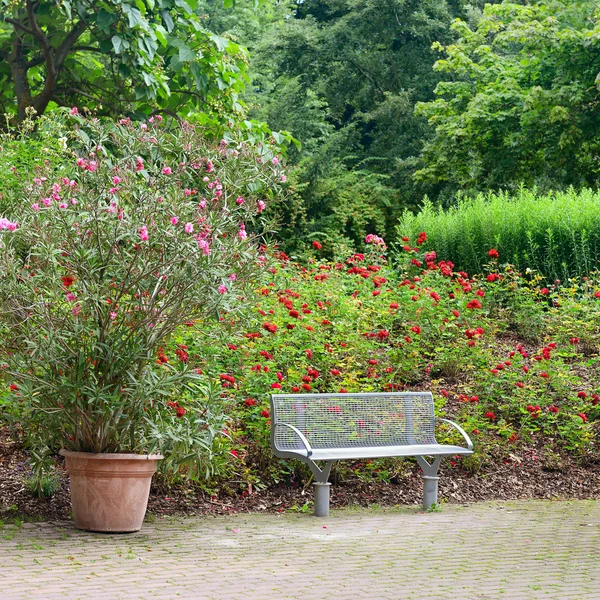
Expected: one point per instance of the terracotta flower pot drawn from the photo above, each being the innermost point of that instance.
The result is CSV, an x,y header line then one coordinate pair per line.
x,y
109,492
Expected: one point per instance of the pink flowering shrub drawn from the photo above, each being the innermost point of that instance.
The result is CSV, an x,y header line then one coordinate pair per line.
x,y
105,258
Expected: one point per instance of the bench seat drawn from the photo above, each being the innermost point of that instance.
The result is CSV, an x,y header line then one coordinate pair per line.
x,y
382,452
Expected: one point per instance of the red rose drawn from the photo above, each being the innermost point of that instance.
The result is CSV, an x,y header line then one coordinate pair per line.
x,y
68,280
493,253
317,245
473,304
265,413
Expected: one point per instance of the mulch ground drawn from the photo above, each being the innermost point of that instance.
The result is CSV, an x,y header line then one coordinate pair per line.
x,y
525,477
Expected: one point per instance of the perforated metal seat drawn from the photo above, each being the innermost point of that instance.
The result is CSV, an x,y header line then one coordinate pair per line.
x,y
330,427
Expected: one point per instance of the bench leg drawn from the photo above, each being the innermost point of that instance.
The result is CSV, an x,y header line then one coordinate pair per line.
x,y
322,499
321,487
430,481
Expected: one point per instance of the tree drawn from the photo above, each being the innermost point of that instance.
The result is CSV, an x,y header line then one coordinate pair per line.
x,y
344,76
124,57
519,100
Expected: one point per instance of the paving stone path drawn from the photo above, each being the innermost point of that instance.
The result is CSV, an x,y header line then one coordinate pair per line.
x,y
512,551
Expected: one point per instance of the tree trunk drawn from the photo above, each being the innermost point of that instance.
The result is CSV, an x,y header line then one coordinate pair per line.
x,y
18,68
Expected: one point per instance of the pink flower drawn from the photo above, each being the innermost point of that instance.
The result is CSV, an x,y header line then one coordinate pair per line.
x,y
239,200
275,160
188,228
232,277
71,297
261,206
204,246
222,289
35,206
283,178
174,220
242,234
6,224
47,201
74,111
113,315
76,310
144,233
167,171
139,165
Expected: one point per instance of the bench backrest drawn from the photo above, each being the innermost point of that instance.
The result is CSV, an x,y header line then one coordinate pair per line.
x,y
353,420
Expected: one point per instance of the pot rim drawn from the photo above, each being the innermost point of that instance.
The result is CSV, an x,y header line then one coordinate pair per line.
x,y
109,455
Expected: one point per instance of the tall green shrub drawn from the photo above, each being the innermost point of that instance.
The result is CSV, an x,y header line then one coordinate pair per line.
x,y
557,234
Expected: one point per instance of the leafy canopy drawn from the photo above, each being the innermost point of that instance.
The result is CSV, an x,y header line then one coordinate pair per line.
x,y
518,104
128,57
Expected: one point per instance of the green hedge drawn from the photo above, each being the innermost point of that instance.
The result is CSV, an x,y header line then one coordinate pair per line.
x,y
557,234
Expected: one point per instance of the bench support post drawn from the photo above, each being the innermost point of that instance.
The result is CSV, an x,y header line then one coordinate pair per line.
x,y
322,499
321,487
430,481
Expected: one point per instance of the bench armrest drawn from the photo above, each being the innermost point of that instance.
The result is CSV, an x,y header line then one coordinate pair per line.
x,y
298,433
460,430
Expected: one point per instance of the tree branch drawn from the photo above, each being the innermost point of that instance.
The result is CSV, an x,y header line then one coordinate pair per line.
x,y
87,49
34,62
67,44
18,25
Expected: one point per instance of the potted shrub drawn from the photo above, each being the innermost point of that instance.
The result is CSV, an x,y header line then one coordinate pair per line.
x,y
148,229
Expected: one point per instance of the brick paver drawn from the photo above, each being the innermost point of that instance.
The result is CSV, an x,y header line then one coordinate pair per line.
x,y
513,551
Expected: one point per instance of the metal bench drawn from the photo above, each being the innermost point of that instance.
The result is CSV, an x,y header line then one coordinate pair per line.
x,y
324,428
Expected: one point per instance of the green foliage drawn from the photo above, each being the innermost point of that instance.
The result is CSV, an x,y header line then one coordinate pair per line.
x,y
140,233
365,326
518,101
343,77
117,57
42,486
26,152
556,234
